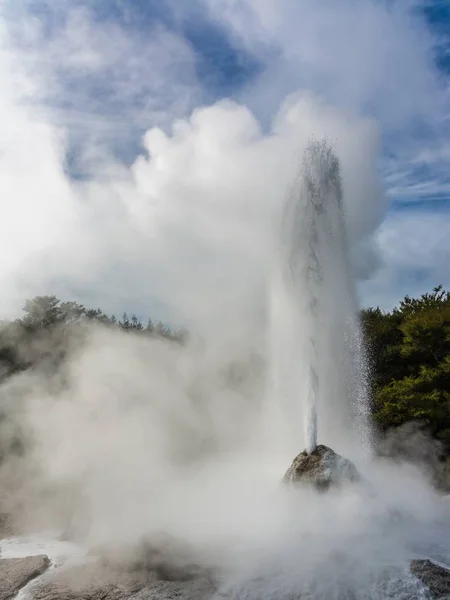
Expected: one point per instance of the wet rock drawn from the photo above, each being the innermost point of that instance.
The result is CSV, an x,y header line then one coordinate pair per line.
x,y
434,577
94,582
15,573
322,468
163,567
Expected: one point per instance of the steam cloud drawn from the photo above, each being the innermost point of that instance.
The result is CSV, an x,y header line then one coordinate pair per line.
x,y
138,436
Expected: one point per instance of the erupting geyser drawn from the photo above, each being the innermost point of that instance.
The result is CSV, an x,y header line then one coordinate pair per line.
x,y
318,360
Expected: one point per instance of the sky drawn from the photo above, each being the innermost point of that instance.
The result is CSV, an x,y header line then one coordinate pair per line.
x,y
146,144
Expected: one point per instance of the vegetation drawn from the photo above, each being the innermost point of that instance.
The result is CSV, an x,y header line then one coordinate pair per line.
x,y
410,353
41,334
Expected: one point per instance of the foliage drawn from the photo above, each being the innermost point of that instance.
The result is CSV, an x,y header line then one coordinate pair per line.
x,y
41,335
410,350
46,312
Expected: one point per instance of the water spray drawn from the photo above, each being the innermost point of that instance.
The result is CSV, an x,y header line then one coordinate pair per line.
x,y
313,242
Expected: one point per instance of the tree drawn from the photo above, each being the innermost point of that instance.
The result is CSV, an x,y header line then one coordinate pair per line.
x,y
132,324
410,349
383,338
41,313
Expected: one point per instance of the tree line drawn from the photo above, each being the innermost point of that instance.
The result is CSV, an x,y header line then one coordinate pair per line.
x,y
42,335
409,350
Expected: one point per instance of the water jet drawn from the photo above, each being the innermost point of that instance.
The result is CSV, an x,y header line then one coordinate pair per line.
x,y
318,357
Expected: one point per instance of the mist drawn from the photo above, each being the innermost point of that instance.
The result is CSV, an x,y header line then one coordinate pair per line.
x,y
137,439
134,438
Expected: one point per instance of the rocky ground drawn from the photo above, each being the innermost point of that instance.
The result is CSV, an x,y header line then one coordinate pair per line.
x,y
162,570
165,569
98,581
434,577
15,573
94,582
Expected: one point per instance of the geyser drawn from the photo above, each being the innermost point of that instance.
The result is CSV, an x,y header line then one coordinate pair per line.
x,y
149,441
318,360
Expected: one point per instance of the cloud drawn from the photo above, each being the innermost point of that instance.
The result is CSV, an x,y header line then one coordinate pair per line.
x,y
376,58
335,49
414,256
188,224
421,176
102,81
178,220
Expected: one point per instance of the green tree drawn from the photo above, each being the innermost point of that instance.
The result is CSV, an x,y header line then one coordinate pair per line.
x,y
410,347
383,338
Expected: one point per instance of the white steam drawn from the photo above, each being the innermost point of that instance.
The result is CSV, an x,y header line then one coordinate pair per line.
x,y
137,436
140,438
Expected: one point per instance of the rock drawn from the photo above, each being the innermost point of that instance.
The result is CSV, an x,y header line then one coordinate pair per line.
x,y
436,578
15,573
162,568
94,582
85,583
321,468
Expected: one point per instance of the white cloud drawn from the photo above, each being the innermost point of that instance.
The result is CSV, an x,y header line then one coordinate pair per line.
x,y
422,174
375,58
361,55
189,225
101,81
414,253
186,226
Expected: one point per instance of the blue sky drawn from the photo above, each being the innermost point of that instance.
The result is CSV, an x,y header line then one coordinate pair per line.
x,y
98,75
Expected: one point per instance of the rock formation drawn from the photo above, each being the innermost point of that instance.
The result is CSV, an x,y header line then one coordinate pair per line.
x,y
15,573
436,578
321,468
93,582
163,569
